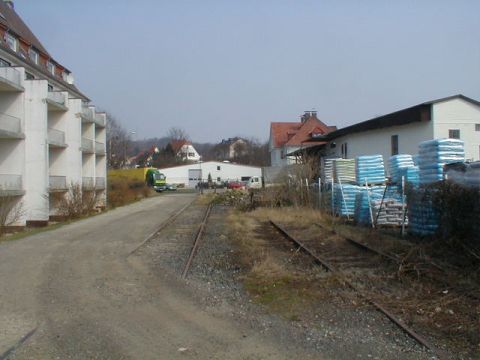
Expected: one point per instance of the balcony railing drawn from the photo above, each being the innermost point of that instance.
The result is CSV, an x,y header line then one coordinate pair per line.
x,y
56,97
10,78
100,183
87,114
88,183
87,145
56,137
10,184
100,120
99,148
10,124
57,183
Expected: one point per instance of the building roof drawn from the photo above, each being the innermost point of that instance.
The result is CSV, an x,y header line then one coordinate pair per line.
x,y
417,113
13,23
178,144
297,133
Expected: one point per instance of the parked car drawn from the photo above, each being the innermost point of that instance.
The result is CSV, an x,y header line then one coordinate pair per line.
x,y
255,182
235,185
171,187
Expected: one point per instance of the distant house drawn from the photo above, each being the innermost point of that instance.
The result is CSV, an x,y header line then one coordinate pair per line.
x,y
231,148
400,132
287,137
144,158
184,150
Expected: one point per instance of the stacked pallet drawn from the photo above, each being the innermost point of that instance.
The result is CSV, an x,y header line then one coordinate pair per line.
x,y
411,175
370,168
344,170
344,199
327,170
435,154
423,218
390,212
362,206
397,165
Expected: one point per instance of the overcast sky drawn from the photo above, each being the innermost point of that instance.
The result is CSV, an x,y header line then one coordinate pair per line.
x,y
224,68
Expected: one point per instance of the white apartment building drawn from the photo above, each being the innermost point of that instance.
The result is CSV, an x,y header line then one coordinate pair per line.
x,y
50,136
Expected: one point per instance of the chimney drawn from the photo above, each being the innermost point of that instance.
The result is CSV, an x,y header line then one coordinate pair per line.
x,y
9,4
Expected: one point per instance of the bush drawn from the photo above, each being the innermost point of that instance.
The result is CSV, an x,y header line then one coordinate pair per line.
x,y
123,191
76,202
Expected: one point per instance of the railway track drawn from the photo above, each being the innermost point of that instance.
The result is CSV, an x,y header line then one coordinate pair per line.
x,y
343,256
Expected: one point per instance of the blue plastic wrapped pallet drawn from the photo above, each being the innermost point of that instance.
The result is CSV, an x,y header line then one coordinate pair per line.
x,y
411,175
433,155
370,168
344,199
397,166
362,209
423,218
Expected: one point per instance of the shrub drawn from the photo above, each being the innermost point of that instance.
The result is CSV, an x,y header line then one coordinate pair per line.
x,y
11,210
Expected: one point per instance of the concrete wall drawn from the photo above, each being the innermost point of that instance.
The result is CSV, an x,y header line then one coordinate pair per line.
x,y
379,141
226,171
462,115
73,137
36,151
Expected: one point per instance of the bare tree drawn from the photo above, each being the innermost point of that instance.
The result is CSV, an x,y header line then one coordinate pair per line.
x,y
11,210
176,133
118,143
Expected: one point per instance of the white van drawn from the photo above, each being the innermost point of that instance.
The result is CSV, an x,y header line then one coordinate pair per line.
x,y
255,182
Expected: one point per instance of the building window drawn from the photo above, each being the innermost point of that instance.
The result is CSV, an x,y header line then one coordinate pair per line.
x,y
394,144
33,55
190,154
51,68
454,134
50,87
344,151
4,63
218,167
11,42
477,127
218,179
29,76
64,76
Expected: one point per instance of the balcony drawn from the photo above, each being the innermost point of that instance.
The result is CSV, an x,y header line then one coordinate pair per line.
x,y
10,127
87,146
11,185
99,183
87,115
57,183
56,138
88,183
100,120
56,101
99,148
10,79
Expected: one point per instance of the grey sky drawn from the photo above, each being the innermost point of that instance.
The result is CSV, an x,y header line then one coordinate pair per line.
x,y
225,68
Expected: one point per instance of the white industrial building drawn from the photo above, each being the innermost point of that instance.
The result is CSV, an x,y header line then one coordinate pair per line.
x,y
456,117
50,137
190,175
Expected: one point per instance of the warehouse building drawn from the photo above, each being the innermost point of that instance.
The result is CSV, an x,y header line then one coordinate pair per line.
x,y
50,136
190,175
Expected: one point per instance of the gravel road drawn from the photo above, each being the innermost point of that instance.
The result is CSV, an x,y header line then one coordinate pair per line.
x,y
75,293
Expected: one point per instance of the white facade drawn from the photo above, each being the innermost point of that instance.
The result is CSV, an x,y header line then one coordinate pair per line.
x,y
187,152
219,172
278,156
453,113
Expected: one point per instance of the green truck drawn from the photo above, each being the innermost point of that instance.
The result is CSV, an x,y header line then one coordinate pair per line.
x,y
156,179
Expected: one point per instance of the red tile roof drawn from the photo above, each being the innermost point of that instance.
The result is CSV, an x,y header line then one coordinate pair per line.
x,y
296,133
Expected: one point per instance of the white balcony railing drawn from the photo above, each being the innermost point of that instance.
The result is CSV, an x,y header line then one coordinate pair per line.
x,y
57,183
100,120
99,148
87,145
10,123
10,182
99,183
56,97
88,183
56,137
11,75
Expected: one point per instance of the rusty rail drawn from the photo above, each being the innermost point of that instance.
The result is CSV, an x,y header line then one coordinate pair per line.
x,y
404,327
196,242
160,228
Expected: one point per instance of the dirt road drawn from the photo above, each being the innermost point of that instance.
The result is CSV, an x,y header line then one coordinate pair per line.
x,y
74,293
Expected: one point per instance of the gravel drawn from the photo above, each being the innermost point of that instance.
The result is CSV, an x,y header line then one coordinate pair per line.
x,y
330,330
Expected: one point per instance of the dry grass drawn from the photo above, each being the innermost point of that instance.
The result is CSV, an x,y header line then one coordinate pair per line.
x,y
123,191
